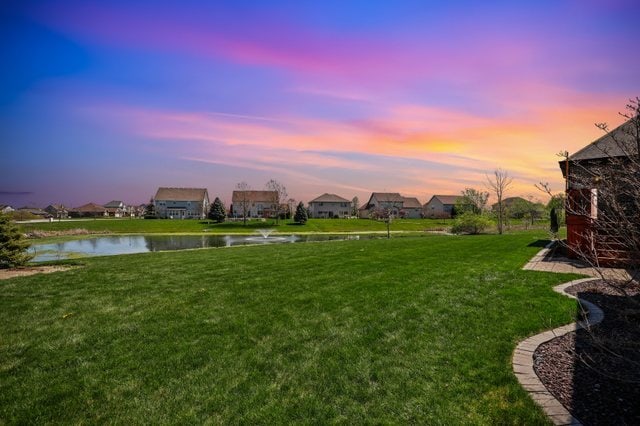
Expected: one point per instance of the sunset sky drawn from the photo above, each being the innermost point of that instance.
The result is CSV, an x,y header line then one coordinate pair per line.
x,y
110,99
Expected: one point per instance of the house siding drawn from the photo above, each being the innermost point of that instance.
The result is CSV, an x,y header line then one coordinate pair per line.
x,y
328,209
437,209
174,209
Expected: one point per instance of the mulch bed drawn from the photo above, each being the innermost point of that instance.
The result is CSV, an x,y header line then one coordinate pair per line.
x,y
595,373
5,274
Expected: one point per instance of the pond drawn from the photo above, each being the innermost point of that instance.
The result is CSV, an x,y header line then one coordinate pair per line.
x,y
130,244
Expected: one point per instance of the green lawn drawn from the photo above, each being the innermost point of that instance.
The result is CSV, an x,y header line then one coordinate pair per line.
x,y
131,226
409,330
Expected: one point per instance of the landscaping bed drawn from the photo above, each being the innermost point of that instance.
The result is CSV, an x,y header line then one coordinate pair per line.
x,y
595,373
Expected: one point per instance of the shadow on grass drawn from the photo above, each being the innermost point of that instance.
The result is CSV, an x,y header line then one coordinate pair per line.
x,y
539,243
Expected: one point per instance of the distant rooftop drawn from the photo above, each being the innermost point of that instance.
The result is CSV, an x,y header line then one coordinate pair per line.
x,y
181,194
329,198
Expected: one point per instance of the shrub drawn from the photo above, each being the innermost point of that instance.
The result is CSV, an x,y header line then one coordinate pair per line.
x,y
470,223
217,211
13,245
301,214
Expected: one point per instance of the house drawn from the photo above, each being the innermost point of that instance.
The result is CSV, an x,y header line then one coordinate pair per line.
x,y
181,203
35,211
57,211
4,208
509,202
602,198
441,206
116,208
391,202
88,210
329,206
253,204
411,208
139,210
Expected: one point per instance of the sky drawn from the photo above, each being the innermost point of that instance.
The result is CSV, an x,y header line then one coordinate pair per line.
x,y
110,100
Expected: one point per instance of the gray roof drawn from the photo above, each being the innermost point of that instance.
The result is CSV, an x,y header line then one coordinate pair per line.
x,y
447,199
620,142
90,208
388,197
411,203
254,196
181,194
329,198
114,204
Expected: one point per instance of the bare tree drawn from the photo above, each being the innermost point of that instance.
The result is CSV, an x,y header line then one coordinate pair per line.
x,y
605,191
243,188
355,205
602,210
280,195
291,205
602,203
499,183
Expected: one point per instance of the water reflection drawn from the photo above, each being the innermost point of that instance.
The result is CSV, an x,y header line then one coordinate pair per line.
x,y
129,244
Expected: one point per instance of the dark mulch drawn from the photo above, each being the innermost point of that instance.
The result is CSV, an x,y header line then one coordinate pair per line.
x,y
595,374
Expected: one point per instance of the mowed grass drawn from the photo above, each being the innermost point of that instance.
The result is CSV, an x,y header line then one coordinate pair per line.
x,y
410,330
143,226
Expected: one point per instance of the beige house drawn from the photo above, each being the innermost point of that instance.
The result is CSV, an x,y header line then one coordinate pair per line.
x,y
253,204
411,208
181,203
441,206
88,210
329,206
57,211
394,203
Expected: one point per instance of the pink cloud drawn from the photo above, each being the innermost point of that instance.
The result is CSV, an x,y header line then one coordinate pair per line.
x,y
304,149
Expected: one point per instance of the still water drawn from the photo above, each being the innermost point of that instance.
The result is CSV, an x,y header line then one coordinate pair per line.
x,y
129,244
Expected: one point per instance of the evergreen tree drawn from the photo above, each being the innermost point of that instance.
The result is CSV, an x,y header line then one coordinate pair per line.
x,y
217,211
150,210
301,214
13,245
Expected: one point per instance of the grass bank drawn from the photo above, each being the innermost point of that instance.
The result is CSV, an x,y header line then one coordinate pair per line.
x,y
160,226
411,330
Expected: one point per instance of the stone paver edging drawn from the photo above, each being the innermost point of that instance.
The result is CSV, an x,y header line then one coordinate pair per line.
x,y
523,358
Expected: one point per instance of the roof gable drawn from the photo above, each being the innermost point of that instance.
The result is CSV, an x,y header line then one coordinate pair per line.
x,y
329,198
411,203
447,199
181,194
620,142
387,197
114,204
90,208
254,196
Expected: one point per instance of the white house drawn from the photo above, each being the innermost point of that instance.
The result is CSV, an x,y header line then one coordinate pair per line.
x,y
116,208
4,208
329,206
254,204
441,206
181,203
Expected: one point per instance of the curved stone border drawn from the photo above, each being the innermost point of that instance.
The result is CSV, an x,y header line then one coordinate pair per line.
x,y
523,358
